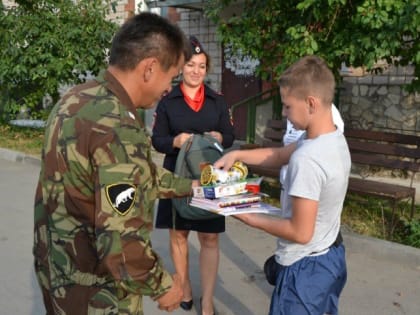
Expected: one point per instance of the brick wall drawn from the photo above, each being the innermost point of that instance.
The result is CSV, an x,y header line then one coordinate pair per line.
x,y
194,22
124,9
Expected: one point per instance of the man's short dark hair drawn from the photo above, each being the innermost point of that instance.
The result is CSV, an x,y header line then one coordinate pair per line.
x,y
148,35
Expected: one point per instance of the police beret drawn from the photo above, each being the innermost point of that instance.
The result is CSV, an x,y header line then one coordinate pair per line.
x,y
196,46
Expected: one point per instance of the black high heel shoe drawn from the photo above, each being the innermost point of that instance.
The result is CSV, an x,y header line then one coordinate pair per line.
x,y
201,306
186,305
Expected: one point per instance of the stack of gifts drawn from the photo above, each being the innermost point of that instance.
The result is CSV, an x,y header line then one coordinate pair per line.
x,y
229,192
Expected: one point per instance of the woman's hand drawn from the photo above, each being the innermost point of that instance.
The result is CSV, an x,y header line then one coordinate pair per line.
x,y
215,134
180,139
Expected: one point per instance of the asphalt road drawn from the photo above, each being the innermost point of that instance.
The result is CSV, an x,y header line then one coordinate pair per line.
x,y
383,277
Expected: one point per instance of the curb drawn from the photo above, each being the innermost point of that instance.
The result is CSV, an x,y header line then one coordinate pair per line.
x,y
379,249
19,157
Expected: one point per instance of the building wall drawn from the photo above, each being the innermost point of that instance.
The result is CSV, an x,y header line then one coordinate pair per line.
x,y
194,22
380,101
124,9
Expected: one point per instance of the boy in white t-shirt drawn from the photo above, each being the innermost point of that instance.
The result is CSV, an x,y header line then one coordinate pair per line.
x,y
292,135
310,253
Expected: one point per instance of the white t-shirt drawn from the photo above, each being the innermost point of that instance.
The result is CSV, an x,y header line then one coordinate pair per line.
x,y
292,135
318,170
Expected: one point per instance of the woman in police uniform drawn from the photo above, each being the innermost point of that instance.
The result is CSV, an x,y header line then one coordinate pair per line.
x,y
192,108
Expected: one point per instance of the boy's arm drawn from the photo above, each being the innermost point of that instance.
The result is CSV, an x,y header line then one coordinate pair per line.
x,y
268,157
299,228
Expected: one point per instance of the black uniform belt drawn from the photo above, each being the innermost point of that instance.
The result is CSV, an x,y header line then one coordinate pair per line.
x,y
338,241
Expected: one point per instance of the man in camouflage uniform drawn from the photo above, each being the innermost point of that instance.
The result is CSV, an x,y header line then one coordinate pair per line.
x,y
98,184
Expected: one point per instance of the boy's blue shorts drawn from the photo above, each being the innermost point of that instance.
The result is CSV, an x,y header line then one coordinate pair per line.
x,y
311,285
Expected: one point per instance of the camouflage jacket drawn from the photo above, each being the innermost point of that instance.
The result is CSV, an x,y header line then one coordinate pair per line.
x,y
95,196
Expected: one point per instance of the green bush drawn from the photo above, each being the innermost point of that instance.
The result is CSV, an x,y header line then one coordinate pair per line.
x,y
357,32
412,233
46,44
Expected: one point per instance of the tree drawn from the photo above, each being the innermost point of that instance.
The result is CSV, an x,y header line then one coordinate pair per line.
x,y
50,43
357,32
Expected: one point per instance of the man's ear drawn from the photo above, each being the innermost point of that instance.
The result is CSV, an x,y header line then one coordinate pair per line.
x,y
147,68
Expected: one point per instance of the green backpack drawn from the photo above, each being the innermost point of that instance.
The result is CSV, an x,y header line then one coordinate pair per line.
x,y
196,150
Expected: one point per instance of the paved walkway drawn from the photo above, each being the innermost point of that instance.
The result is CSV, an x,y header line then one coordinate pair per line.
x,y
383,277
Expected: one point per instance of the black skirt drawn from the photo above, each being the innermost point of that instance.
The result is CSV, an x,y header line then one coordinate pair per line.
x,y
164,220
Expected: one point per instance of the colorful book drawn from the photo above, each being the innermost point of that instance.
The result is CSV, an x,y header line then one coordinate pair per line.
x,y
258,207
229,189
240,199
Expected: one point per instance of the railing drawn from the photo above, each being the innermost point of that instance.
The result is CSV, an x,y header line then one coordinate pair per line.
x,y
251,105
273,95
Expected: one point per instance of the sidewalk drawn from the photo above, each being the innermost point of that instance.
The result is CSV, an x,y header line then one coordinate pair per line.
x,y
383,277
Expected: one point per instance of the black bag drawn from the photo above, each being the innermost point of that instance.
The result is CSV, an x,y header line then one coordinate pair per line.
x,y
271,270
196,150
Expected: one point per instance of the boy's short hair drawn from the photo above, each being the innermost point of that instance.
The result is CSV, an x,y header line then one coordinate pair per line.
x,y
309,75
148,35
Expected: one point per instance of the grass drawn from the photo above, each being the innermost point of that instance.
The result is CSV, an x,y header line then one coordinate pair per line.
x,y
365,216
26,140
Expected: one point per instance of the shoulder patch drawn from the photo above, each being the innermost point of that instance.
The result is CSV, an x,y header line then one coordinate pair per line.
x,y
121,197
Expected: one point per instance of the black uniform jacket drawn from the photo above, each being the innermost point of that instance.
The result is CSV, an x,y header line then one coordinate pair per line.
x,y
173,116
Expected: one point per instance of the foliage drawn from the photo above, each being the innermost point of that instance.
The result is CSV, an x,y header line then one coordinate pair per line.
x,y
358,32
412,233
46,44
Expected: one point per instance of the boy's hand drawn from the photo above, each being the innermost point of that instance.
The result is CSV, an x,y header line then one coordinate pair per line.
x,y
226,161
